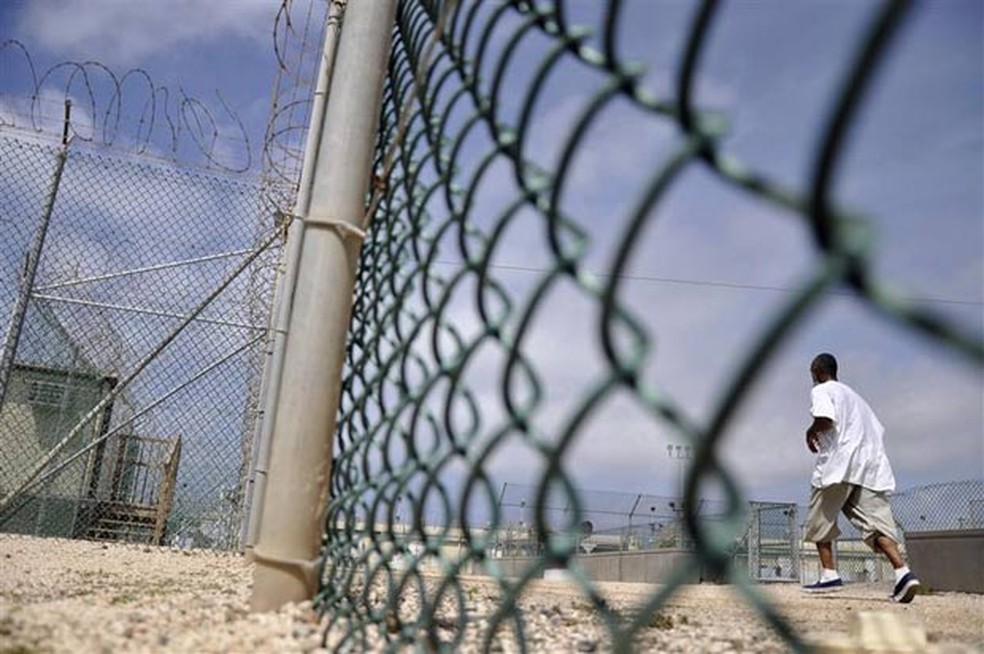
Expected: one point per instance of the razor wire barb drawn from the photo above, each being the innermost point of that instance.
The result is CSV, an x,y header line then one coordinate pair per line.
x,y
401,427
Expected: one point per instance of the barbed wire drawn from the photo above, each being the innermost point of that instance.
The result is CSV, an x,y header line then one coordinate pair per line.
x,y
298,32
129,112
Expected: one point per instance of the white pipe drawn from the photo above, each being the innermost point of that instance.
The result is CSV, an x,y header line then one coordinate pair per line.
x,y
145,312
270,386
137,271
300,463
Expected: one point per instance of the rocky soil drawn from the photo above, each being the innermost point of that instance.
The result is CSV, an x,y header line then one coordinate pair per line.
x,y
79,596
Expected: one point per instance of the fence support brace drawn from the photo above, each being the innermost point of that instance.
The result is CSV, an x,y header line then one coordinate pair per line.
x,y
8,348
300,464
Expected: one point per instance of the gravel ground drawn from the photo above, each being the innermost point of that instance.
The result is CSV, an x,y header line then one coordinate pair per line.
x,y
79,596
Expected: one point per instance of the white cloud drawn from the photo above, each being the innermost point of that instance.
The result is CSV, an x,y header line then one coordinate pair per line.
x,y
121,32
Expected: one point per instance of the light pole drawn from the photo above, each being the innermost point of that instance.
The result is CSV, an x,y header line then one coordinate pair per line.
x,y
682,454
522,524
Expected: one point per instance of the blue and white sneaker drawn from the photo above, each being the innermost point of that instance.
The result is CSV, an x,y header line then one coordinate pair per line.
x,y
829,586
906,589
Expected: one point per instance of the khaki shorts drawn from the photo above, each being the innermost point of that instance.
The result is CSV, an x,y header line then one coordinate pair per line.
x,y
867,510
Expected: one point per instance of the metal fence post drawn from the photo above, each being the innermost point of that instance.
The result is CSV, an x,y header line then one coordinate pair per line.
x,y
31,262
795,541
270,389
300,463
755,542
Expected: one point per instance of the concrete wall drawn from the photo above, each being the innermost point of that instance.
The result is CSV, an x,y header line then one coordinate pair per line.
x,y
653,567
948,560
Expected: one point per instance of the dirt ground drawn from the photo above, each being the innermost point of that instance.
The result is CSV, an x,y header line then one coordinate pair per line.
x,y
79,596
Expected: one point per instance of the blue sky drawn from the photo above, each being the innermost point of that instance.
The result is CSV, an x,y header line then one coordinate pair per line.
x,y
710,268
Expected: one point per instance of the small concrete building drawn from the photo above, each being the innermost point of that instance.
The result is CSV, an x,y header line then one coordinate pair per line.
x,y
120,485
41,406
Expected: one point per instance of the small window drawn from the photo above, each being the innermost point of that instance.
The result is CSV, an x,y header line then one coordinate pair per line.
x,y
46,393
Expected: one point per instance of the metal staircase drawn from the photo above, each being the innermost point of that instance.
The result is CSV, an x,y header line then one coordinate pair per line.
x,y
143,491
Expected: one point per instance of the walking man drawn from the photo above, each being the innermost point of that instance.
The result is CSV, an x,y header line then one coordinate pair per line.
x,y
853,476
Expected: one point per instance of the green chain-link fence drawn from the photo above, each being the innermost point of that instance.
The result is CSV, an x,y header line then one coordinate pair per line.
x,y
444,386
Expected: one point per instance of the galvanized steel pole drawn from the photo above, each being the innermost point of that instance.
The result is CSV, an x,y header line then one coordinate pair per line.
x,y
11,338
270,387
290,531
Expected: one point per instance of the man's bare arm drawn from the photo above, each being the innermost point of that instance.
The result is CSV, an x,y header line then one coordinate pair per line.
x,y
819,426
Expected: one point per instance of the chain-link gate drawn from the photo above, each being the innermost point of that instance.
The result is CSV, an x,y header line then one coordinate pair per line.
x,y
772,542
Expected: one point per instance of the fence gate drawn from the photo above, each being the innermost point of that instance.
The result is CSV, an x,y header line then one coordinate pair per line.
x,y
773,542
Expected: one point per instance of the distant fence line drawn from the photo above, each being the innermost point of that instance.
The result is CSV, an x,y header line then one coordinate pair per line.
x,y
770,546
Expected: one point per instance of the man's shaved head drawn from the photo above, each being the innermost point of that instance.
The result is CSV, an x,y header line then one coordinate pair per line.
x,y
824,363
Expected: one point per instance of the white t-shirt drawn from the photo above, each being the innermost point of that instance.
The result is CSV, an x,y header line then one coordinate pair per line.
x,y
853,451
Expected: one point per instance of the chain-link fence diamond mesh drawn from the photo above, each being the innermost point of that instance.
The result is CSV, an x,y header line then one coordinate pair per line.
x,y
143,297
449,383
132,386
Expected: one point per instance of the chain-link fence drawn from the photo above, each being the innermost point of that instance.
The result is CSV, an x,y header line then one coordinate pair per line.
x,y
611,521
137,296
137,268
448,380
767,548
950,506
770,547
135,316
941,507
